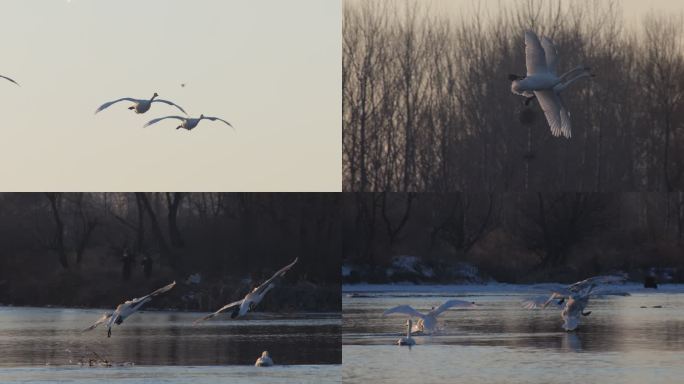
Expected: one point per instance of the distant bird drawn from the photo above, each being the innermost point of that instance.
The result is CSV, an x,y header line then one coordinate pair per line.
x,y
140,105
264,361
428,322
126,309
543,82
408,340
252,299
573,299
187,123
7,78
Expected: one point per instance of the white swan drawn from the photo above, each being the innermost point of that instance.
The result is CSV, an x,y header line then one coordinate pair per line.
x,y
264,361
573,299
7,78
408,340
126,309
187,123
542,81
428,321
251,300
139,105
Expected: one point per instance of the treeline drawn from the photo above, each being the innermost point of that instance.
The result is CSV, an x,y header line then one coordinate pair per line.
x,y
427,105
517,237
112,242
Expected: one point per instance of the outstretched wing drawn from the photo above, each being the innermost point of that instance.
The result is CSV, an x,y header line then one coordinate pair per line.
x,y
265,286
556,114
169,103
596,280
404,310
539,302
219,119
223,309
7,78
99,321
109,104
535,58
155,121
159,291
452,304
550,53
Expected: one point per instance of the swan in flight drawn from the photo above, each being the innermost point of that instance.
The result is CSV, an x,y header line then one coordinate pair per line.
x,y
543,83
8,79
264,361
428,321
139,105
187,123
252,299
126,309
573,299
408,340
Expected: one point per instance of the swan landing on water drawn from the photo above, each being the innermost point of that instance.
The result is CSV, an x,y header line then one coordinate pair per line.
x,y
139,105
544,84
126,309
408,340
428,321
264,361
573,299
251,300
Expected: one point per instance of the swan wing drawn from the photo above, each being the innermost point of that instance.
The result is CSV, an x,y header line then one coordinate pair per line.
x,y
99,321
169,103
550,53
109,104
223,309
7,78
260,290
218,119
604,279
404,310
551,105
566,126
452,304
155,121
539,302
535,58
159,291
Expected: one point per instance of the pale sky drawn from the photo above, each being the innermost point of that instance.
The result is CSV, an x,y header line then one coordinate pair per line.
x,y
270,67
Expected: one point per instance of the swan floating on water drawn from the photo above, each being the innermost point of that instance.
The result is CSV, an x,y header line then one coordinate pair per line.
x,y
186,122
126,309
573,299
8,79
264,361
544,84
252,299
408,340
428,321
139,105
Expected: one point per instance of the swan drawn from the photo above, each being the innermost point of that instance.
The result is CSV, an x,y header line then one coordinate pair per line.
x,y
408,340
187,123
139,105
543,82
252,299
126,309
573,299
7,78
264,361
428,321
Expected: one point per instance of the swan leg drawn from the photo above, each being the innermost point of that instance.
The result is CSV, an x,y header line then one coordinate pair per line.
x,y
109,332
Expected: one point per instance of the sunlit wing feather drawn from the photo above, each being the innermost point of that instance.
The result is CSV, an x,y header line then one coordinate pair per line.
x,y
155,121
223,309
169,103
276,275
550,53
109,104
452,304
99,321
404,310
219,119
535,59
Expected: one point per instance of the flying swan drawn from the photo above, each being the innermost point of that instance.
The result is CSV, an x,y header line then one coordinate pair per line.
x,y
428,321
126,309
187,123
543,83
251,300
7,78
139,105
573,299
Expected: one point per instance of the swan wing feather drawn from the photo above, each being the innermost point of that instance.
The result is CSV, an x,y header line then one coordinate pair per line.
x,y
535,59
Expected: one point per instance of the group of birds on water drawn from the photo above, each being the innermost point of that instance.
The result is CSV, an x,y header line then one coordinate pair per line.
x,y
236,309
572,300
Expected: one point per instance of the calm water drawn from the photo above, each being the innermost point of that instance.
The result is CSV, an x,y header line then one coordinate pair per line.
x,y
38,343
501,342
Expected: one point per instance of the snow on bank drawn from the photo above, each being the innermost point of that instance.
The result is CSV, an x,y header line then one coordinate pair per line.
x,y
633,288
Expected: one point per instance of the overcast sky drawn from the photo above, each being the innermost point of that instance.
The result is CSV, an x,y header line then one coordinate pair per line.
x,y
270,67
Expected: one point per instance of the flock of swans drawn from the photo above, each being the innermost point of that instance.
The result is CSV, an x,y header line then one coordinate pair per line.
x,y
572,300
237,309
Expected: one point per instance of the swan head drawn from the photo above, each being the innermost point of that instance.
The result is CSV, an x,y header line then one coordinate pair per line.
x,y
201,116
264,354
516,87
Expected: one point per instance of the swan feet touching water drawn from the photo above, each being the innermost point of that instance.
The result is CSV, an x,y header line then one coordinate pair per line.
x,y
544,84
428,321
252,299
126,309
186,122
139,105
264,361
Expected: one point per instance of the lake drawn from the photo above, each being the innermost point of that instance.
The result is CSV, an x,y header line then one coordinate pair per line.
x,y
634,339
44,344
